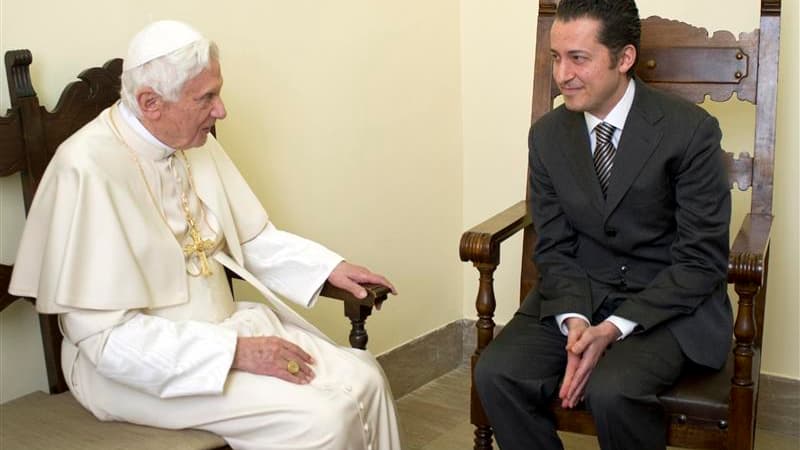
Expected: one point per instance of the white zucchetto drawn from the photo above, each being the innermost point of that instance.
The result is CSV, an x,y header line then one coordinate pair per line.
x,y
159,39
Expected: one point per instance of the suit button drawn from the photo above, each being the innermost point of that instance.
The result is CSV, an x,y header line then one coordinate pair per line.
x,y
611,232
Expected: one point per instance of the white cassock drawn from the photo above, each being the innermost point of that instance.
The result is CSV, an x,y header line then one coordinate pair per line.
x,y
147,342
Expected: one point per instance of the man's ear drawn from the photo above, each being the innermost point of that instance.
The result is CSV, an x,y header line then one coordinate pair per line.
x,y
627,58
150,103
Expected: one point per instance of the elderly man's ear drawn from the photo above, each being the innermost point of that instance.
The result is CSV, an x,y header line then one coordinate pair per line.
x,y
150,104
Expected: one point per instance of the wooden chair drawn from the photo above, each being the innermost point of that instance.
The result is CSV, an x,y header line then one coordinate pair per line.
x,y
704,410
29,135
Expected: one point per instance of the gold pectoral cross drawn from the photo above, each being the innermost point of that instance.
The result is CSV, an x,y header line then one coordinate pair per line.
x,y
198,248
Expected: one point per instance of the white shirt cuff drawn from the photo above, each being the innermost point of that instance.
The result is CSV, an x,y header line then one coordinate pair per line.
x,y
625,326
168,359
561,320
289,265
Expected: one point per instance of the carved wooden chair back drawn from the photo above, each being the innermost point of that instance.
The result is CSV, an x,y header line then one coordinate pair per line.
x,y
704,410
29,136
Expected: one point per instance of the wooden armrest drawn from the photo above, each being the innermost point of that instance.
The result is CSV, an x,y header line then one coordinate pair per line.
x,y
748,253
376,294
481,243
357,310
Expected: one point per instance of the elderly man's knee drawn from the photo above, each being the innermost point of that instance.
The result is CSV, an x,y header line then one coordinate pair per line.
x,y
332,422
370,377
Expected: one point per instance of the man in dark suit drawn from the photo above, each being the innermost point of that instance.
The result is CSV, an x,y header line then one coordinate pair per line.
x,y
631,206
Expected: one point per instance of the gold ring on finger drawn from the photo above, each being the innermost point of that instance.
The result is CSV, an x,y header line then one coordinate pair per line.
x,y
292,367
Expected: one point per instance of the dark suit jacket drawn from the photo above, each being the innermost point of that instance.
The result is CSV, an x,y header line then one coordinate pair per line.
x,y
660,238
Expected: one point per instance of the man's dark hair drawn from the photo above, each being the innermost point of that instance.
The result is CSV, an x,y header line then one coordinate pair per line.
x,y
619,22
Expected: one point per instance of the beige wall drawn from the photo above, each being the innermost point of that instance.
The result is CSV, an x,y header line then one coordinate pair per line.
x,y
497,44
381,129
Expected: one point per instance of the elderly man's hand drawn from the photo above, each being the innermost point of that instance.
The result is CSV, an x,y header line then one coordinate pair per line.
x,y
350,277
273,356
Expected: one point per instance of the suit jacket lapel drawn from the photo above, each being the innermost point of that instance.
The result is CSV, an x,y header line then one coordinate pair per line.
x,y
579,155
639,139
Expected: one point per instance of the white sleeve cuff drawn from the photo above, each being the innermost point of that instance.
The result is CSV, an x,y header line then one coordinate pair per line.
x,y
289,265
168,359
625,326
561,320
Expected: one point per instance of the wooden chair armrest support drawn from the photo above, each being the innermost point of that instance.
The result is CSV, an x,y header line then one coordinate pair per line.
x,y
481,243
748,253
357,310
747,270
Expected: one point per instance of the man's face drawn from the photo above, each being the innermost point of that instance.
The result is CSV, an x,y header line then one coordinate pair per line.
x,y
186,122
583,69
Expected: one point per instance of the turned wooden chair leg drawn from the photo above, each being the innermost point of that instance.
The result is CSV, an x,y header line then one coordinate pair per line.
x,y
485,305
742,432
358,316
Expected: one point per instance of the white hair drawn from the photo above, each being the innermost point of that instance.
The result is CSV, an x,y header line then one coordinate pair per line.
x,y
166,75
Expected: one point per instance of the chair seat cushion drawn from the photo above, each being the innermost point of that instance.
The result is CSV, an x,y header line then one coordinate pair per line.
x,y
704,392
42,421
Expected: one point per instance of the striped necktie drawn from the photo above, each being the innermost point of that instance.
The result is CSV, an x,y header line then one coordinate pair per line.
x,y
604,152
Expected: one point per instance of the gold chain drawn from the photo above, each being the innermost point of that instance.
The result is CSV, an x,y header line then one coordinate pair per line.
x,y
199,245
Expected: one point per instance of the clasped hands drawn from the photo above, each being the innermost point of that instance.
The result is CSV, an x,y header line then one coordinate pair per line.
x,y
277,357
585,345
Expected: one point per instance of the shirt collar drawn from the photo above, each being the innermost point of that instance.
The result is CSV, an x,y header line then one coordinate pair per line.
x,y
618,114
159,150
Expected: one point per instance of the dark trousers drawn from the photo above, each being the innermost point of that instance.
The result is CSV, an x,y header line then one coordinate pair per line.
x,y
518,376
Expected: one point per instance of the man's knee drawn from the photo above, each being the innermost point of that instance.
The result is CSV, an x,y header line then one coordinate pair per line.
x,y
497,375
488,370
602,393
610,389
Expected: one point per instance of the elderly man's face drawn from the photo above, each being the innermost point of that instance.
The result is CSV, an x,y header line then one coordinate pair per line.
x,y
186,123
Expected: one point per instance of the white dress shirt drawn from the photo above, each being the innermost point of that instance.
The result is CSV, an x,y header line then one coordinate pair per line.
x,y
616,117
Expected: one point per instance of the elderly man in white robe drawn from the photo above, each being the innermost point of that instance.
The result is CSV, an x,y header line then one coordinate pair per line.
x,y
127,240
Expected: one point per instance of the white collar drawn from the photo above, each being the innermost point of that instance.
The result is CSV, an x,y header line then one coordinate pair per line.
x,y
159,150
618,114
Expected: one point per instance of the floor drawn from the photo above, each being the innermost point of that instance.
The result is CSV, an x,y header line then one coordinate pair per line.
x,y
436,417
